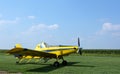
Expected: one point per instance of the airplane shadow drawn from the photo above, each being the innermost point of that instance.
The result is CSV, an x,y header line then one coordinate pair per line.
x,y
49,67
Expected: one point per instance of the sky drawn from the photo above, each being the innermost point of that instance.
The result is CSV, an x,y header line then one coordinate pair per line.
x,y
60,22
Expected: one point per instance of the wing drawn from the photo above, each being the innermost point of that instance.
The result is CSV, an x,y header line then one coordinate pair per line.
x,y
28,52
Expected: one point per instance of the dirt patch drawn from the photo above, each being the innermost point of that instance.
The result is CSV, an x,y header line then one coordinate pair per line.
x,y
5,72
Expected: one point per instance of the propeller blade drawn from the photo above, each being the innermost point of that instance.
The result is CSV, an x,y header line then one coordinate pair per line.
x,y
79,49
78,42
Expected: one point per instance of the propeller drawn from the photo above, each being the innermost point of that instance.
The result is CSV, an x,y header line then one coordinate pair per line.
x,y
79,49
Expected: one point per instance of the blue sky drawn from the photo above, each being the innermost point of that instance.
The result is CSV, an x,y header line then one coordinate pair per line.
x,y
96,22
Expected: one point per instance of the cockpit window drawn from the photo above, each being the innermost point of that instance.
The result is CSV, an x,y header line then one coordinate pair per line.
x,y
43,45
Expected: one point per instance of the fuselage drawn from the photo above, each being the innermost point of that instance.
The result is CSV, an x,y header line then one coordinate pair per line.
x,y
58,50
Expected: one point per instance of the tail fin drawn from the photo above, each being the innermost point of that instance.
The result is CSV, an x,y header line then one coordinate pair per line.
x,y
18,46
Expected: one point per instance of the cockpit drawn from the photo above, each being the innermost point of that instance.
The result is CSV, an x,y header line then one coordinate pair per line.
x,y
43,45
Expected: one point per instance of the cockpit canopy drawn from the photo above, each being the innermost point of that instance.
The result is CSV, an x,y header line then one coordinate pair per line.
x,y
43,45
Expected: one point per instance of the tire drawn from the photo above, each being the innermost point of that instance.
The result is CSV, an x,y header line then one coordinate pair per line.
x,y
56,64
64,63
17,62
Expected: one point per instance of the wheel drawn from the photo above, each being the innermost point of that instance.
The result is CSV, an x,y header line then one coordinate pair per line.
x,y
17,62
64,63
56,64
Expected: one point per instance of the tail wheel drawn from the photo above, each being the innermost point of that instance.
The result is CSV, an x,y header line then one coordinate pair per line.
x,y
64,63
56,64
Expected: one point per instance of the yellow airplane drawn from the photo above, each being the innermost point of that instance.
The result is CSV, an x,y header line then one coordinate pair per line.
x,y
45,52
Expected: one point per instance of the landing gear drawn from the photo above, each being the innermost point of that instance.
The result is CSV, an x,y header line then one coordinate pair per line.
x,y
56,64
64,63
17,62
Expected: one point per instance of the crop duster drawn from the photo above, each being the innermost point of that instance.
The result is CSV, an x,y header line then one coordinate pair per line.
x,y
45,52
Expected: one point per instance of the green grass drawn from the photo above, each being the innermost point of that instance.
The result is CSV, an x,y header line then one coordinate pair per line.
x,y
77,65
102,51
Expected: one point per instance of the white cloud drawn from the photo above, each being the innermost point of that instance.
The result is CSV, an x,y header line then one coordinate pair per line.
x,y
5,24
52,27
31,17
2,22
110,28
41,27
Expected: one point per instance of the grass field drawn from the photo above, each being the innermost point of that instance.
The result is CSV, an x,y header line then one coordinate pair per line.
x,y
77,65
